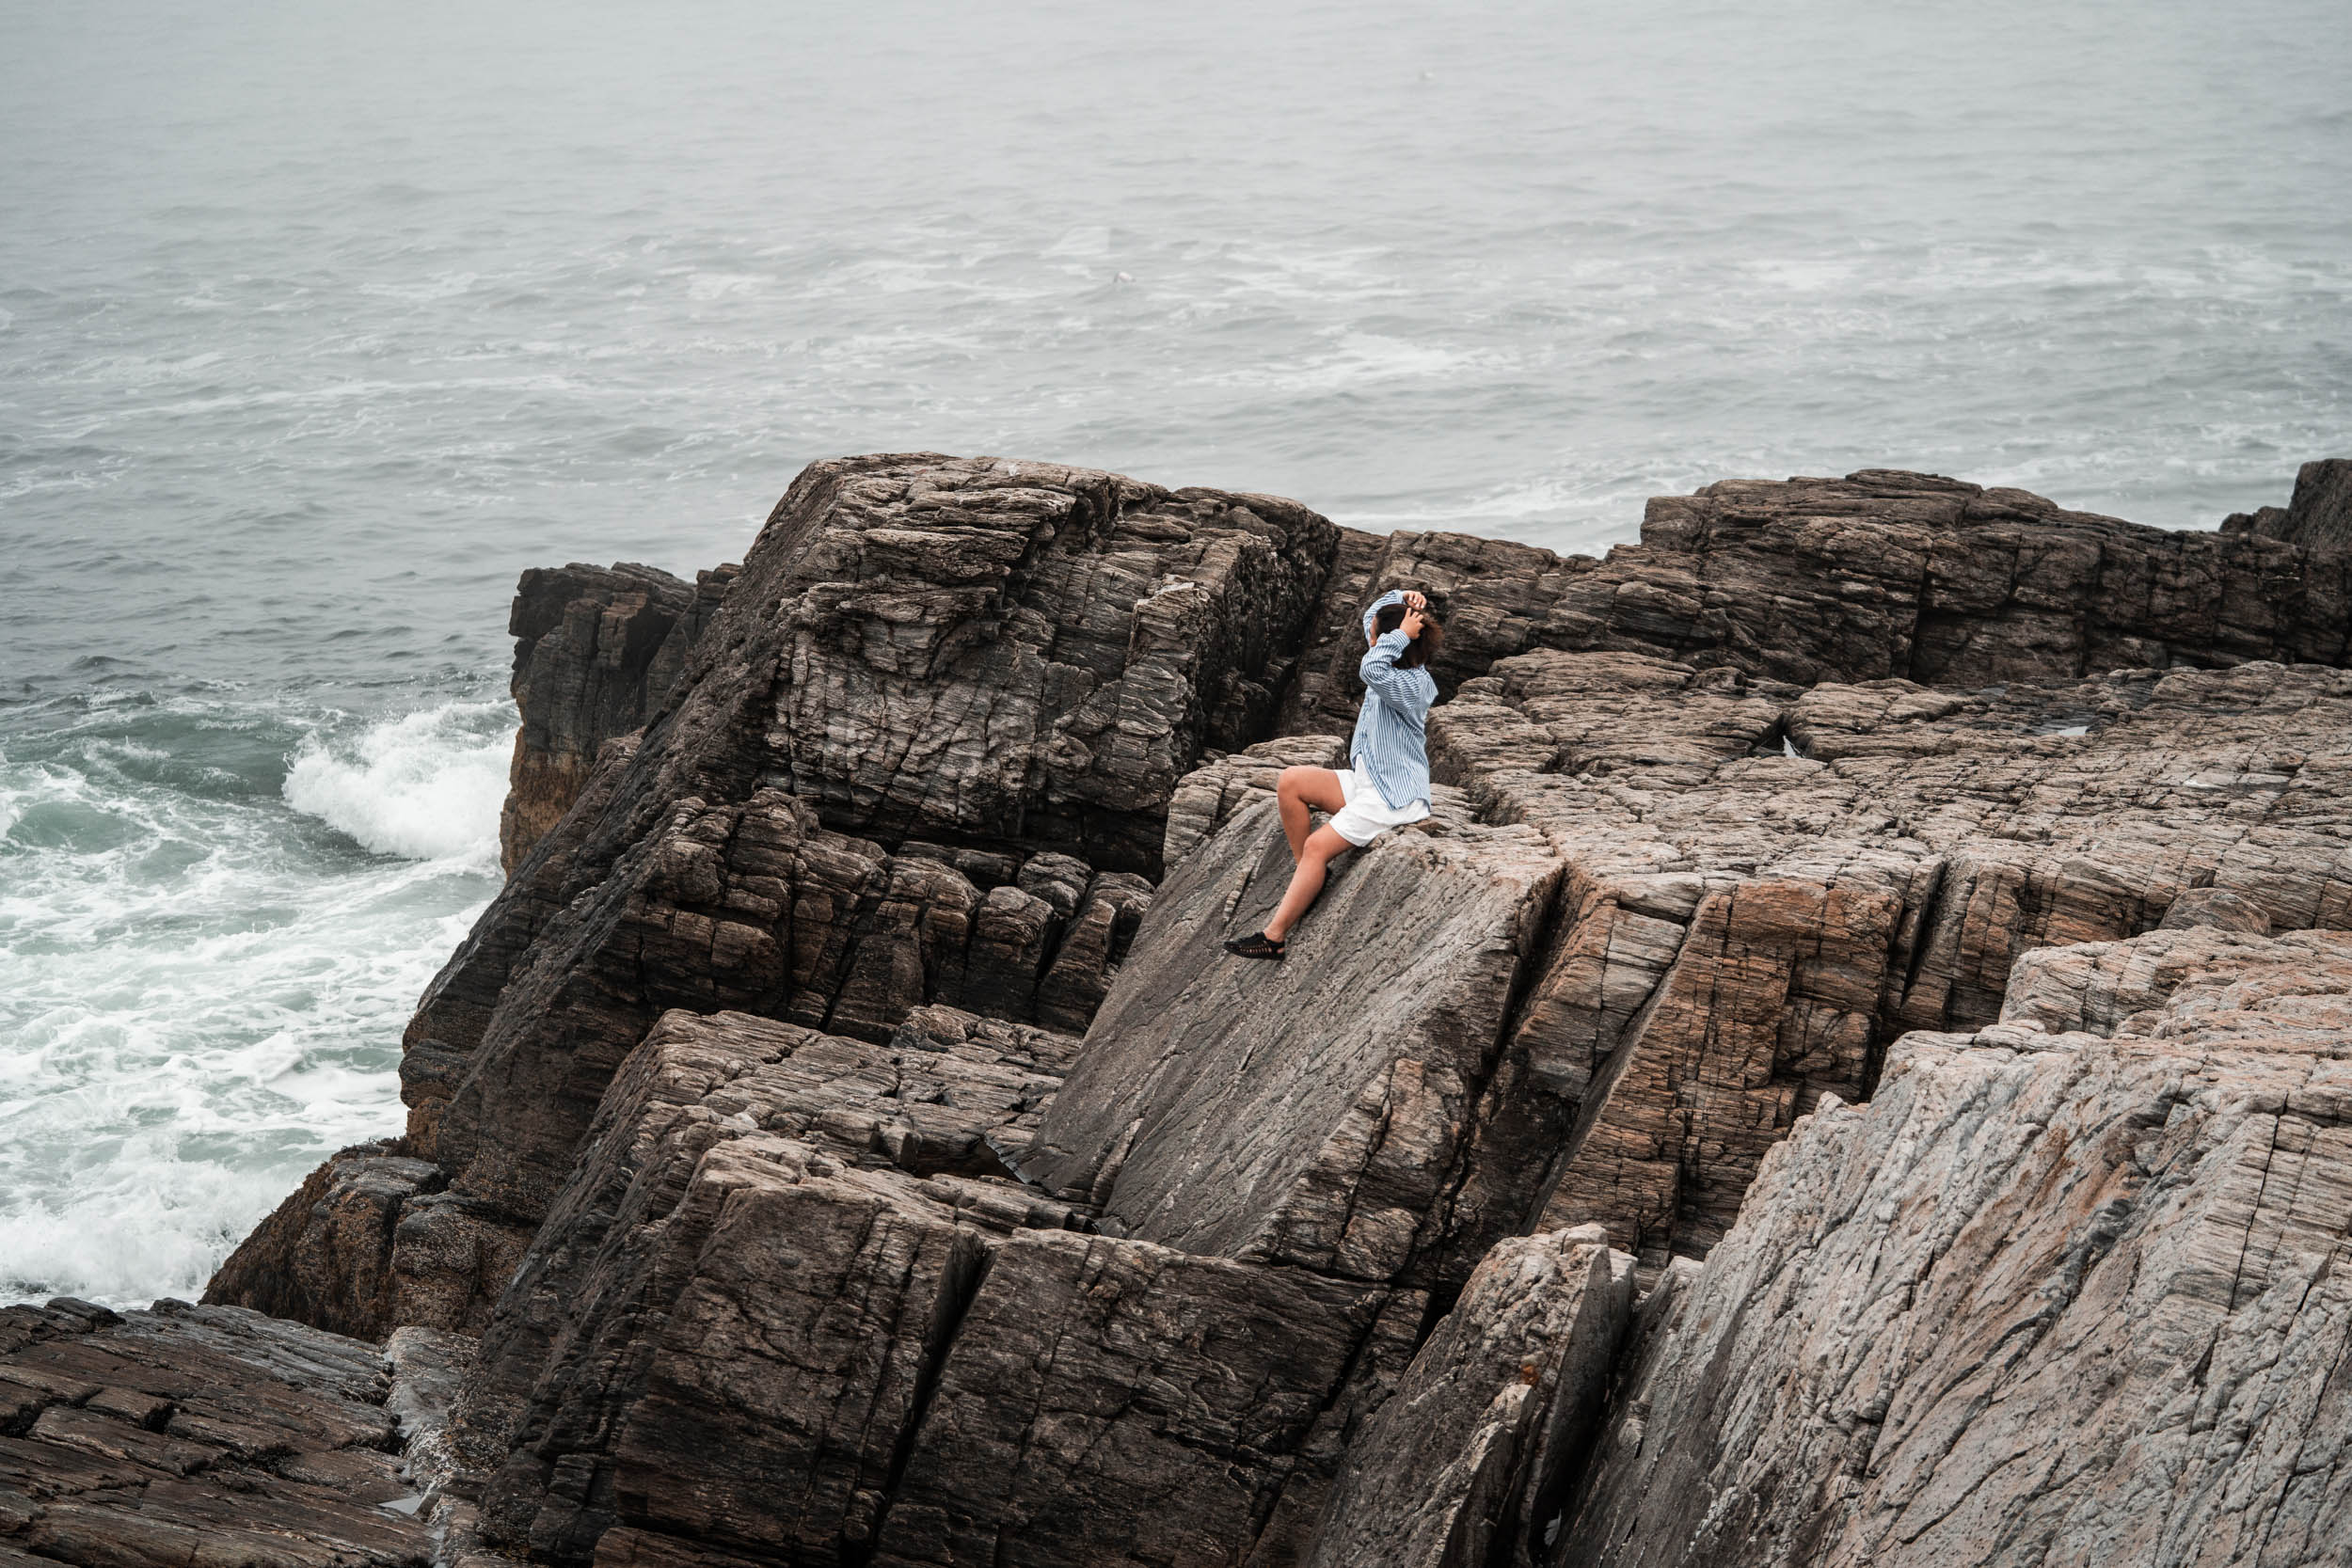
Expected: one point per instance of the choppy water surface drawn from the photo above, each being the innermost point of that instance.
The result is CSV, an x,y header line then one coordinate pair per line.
x,y
317,326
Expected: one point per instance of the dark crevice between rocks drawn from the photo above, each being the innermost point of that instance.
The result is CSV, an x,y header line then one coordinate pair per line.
x,y
1443,1296
1775,742
1917,928
1343,1383
962,1290
1595,1099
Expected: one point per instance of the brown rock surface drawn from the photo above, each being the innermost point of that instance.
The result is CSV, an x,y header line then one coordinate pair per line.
x,y
324,1257
1114,1402
2048,1298
714,1116
596,652
986,657
2108,988
730,1332
2320,512
1881,574
754,908
2216,907
1742,928
197,1435
909,627
1030,654
719,1332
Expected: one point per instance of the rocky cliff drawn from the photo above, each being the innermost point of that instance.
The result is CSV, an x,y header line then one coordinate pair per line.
x,y
1844,1074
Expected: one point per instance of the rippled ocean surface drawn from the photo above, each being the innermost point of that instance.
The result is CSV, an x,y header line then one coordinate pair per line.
x,y
318,324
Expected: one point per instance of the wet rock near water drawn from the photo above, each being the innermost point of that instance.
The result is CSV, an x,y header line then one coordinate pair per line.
x,y
198,1434
324,1257
597,650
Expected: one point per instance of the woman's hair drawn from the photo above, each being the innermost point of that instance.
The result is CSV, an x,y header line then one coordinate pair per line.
x,y
1421,649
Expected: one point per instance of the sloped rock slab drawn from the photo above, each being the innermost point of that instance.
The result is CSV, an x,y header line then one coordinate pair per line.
x,y
1309,1111
2049,1297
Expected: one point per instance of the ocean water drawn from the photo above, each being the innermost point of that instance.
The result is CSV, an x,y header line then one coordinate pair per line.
x,y
317,324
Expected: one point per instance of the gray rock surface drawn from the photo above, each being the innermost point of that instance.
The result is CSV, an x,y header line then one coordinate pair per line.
x,y
1111,1402
2216,907
753,908
716,1114
2049,1297
1031,653
980,661
1463,1466
2320,513
1878,574
719,1332
1311,1111
1741,929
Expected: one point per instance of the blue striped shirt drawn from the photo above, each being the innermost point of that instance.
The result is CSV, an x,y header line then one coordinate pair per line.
x,y
1389,747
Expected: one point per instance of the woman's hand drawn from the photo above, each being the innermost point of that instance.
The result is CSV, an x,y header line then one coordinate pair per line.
x,y
1414,620
1414,600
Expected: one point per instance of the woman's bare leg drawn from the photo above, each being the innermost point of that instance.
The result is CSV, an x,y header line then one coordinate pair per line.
x,y
1307,881
1300,790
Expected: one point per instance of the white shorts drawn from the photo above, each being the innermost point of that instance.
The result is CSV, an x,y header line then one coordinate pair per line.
x,y
1366,817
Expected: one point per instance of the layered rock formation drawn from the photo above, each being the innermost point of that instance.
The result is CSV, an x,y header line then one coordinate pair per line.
x,y
2319,512
2050,1297
782,1308
1462,1466
1875,576
1744,932
596,652
198,1434
851,1146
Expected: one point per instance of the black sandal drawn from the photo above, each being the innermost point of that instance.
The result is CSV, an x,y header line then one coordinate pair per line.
x,y
1256,944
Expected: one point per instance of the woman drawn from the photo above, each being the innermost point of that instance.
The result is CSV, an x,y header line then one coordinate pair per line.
x,y
1387,781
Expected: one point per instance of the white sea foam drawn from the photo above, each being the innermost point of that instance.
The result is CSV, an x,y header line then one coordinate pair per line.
x,y
427,787
200,995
